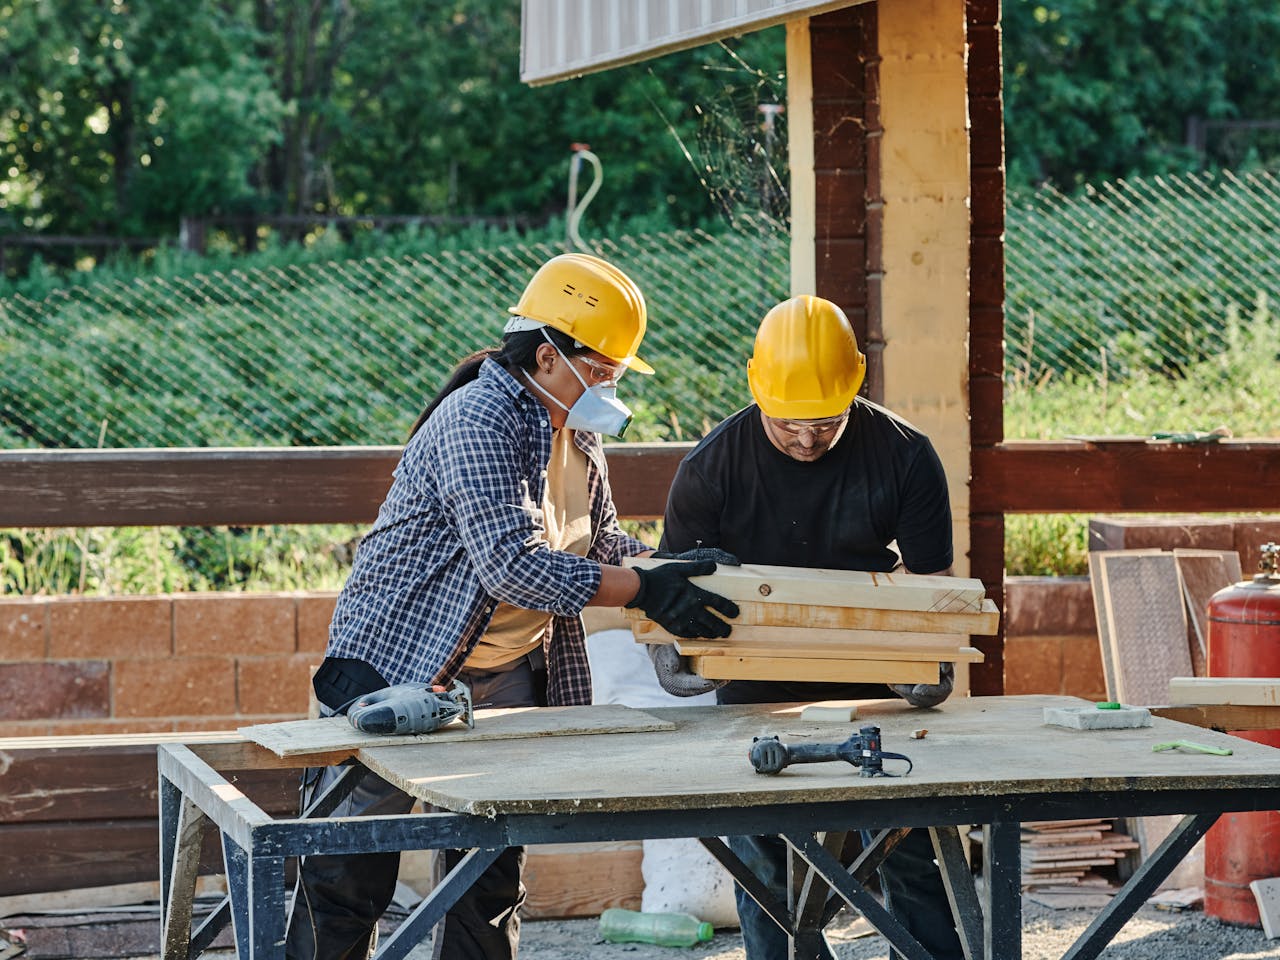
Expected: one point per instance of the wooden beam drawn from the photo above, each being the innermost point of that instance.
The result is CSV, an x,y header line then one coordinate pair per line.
x,y
825,651
811,617
763,583
1031,476
1235,691
1222,716
807,669
258,485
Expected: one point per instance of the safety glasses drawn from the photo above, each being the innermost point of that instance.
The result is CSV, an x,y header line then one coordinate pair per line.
x,y
602,374
821,429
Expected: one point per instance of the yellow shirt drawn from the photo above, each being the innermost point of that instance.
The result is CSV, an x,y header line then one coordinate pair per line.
x,y
566,515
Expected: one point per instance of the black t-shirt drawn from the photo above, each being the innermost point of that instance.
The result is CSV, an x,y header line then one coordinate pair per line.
x,y
881,483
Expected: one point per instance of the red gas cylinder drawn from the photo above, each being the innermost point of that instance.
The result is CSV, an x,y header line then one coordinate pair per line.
x,y
1244,641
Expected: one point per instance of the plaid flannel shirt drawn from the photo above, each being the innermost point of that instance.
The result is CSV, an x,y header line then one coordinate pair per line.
x,y
462,529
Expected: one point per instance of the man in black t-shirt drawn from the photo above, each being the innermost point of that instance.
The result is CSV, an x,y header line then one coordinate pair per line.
x,y
812,475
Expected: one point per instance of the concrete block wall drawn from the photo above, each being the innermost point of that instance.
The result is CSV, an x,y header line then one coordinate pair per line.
x,y
77,665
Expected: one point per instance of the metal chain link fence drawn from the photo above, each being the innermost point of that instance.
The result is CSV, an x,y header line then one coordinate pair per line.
x,y
1137,274
349,352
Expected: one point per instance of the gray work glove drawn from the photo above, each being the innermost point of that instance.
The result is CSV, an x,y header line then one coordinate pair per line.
x,y
928,694
714,554
674,675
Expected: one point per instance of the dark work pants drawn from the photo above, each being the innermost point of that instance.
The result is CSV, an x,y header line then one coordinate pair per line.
x,y
340,898
909,877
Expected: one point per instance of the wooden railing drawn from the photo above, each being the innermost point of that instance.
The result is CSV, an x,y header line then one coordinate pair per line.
x,y
298,485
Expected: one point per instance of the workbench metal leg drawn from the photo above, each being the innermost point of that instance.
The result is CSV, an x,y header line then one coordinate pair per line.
x,y
808,894
256,889
1002,876
204,935
432,910
835,874
957,878
1140,886
865,866
768,901
181,829
336,792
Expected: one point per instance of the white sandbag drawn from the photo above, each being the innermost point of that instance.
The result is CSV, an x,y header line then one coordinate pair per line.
x,y
621,672
680,876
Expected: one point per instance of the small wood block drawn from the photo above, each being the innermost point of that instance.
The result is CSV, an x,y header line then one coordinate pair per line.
x,y
813,616
1237,691
815,669
837,588
831,711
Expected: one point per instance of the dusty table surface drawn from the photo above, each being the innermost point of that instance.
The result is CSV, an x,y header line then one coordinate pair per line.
x,y
978,746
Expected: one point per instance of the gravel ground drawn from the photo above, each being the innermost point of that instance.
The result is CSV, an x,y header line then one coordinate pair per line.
x,y
1151,935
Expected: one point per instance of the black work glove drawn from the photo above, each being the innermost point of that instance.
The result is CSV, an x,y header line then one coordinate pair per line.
x,y
668,599
714,554
928,694
674,673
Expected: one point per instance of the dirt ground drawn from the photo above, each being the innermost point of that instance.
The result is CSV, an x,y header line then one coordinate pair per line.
x,y
1151,935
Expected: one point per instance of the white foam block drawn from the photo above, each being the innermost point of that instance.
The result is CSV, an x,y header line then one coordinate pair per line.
x,y
1267,893
1091,718
831,711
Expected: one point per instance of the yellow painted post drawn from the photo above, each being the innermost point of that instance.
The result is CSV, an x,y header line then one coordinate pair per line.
x,y
800,157
925,186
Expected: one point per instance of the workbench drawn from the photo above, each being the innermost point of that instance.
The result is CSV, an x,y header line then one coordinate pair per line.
x,y
985,761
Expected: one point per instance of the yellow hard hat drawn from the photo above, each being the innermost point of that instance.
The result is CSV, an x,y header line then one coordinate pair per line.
x,y
592,301
806,364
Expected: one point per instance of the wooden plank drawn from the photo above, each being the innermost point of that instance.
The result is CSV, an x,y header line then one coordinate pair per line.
x,y
1225,717
813,617
336,733
1236,691
815,669
582,879
1203,573
1034,476
50,784
844,588
1100,614
1147,625
70,855
259,485
646,631
702,764
708,648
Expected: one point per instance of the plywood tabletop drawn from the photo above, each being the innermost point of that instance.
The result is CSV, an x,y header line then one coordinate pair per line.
x,y
975,746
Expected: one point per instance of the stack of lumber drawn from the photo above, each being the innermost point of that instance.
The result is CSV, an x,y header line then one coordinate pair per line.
x,y
798,623
1066,853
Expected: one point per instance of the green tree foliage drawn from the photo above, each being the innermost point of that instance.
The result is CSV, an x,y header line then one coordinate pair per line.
x,y
120,118
1096,90
123,117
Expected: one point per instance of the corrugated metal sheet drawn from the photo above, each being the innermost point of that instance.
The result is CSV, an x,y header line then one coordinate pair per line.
x,y
565,38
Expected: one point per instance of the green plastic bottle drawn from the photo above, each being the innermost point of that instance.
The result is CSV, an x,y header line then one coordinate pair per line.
x,y
664,929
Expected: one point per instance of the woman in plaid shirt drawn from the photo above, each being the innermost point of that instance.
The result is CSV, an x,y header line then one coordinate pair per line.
x,y
498,529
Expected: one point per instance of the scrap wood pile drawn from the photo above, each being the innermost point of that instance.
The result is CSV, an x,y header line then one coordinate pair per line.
x,y
798,623
1066,853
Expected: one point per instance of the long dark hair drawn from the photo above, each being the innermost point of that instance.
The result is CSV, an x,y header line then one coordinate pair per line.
x,y
517,351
